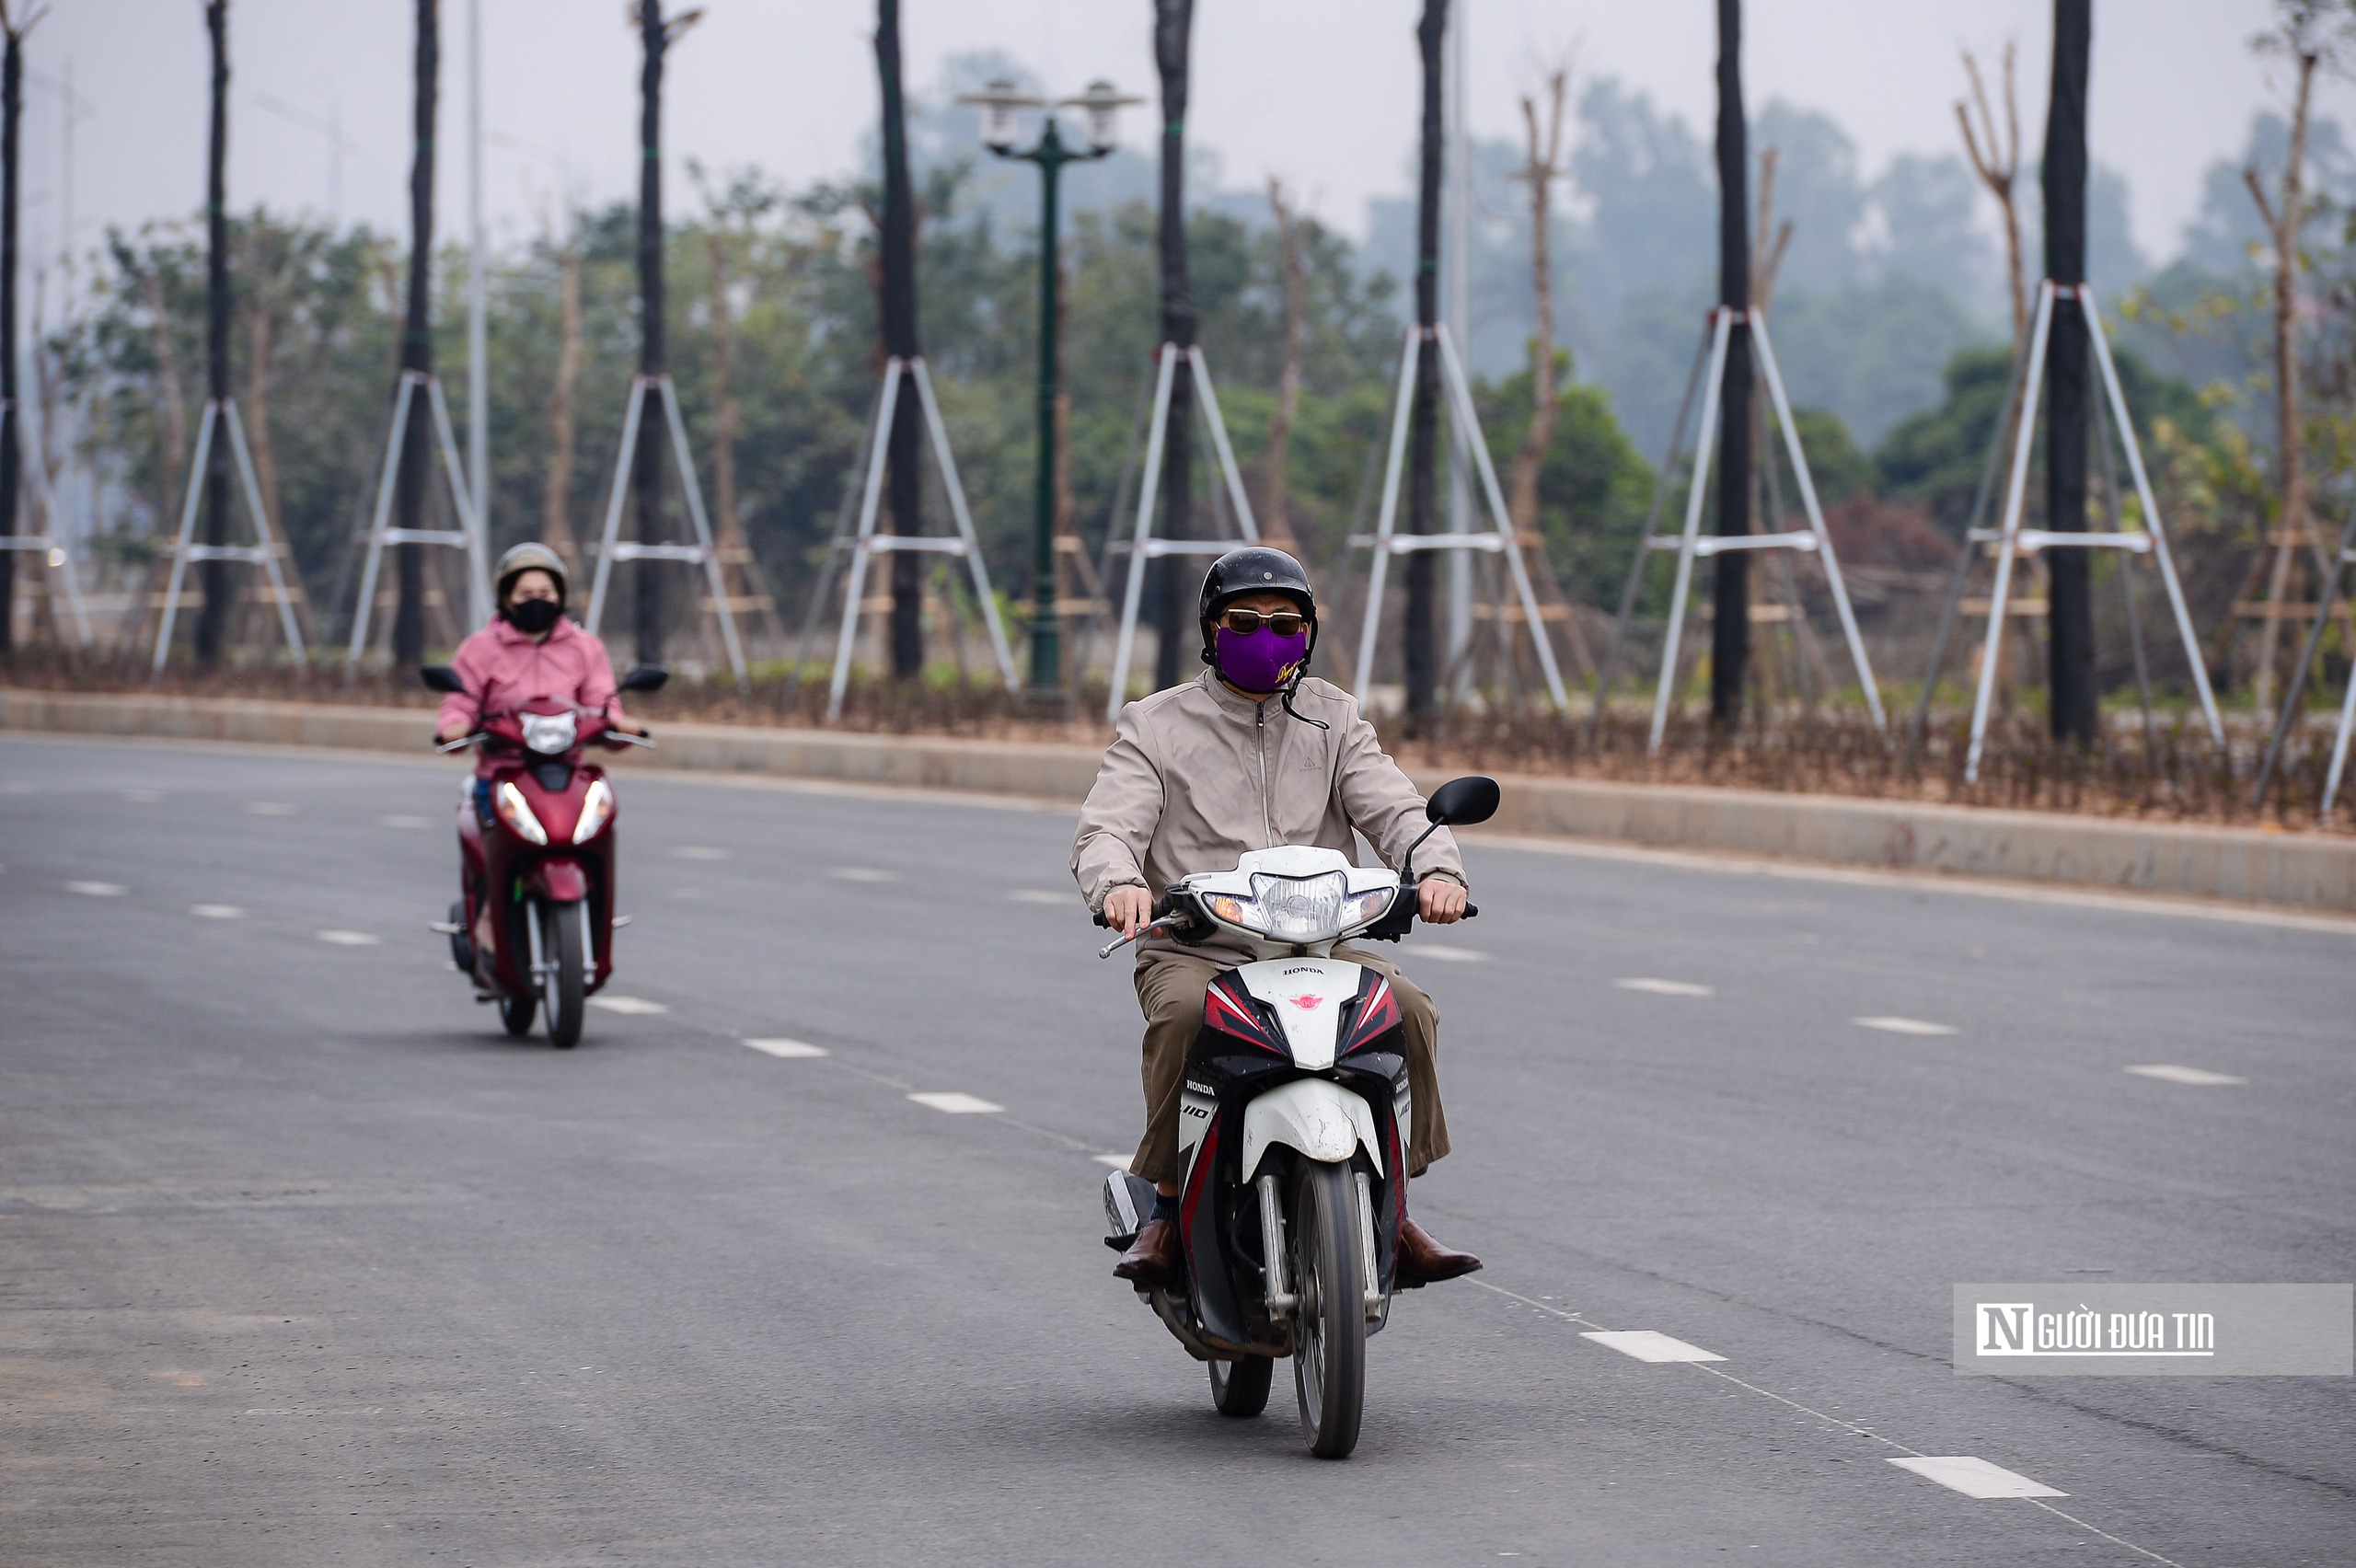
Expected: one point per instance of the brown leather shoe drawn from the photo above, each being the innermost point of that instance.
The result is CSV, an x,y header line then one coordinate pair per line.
x,y
1423,1261
1152,1258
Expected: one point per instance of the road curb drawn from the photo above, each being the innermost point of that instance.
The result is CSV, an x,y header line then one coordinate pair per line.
x,y
2294,869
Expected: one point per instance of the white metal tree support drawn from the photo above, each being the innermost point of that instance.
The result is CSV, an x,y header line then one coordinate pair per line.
x,y
1143,545
2012,540
612,546
264,553
867,543
1690,544
2346,703
1498,538
55,553
466,536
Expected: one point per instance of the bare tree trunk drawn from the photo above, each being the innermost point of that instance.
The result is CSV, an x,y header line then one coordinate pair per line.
x,y
904,455
1173,22
1275,525
1730,629
2070,615
415,476
1423,480
1999,168
211,622
556,505
1542,168
2284,217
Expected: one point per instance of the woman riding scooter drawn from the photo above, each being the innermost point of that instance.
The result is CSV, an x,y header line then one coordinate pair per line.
x,y
531,652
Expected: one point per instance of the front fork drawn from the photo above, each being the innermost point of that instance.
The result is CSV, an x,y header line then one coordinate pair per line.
x,y
1282,1298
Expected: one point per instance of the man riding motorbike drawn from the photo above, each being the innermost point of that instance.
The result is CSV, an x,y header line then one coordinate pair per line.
x,y
1250,756
531,652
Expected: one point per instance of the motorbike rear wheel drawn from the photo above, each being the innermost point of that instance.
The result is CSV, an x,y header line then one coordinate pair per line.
x,y
561,989
1329,1326
1240,1388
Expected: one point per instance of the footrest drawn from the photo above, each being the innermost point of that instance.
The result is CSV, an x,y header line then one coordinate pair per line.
x,y
1128,1199
445,928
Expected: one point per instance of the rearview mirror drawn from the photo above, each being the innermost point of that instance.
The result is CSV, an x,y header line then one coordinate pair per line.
x,y
644,677
1461,802
440,677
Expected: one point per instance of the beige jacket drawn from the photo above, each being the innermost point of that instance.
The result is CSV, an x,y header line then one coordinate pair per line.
x,y
1198,774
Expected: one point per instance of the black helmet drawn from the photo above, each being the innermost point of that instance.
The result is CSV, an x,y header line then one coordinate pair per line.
x,y
530,556
1254,568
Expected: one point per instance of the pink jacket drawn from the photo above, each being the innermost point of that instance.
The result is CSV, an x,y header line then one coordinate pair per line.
x,y
504,668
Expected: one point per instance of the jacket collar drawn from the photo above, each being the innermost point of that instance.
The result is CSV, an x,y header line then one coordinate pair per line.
x,y
508,635
1232,702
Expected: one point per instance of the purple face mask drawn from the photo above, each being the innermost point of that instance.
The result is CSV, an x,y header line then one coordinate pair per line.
x,y
1259,660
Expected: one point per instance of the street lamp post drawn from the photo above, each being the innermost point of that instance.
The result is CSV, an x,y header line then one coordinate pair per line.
x,y
1000,103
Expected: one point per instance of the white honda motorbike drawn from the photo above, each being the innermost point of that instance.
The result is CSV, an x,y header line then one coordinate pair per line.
x,y
1293,1119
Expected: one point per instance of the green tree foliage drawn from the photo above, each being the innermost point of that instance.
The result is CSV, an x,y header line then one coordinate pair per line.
x,y
1593,487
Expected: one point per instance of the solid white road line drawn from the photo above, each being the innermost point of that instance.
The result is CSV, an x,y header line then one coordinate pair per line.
x,y
1666,988
862,874
349,938
957,1104
270,808
215,911
399,820
787,1048
2199,1077
632,1005
1974,1477
1445,953
1905,1026
1649,1344
697,852
97,889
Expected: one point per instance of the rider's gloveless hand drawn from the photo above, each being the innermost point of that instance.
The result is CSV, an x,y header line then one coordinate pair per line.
x,y
1126,908
1439,901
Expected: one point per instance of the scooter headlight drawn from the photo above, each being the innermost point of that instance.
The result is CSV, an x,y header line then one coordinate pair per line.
x,y
551,735
516,813
595,807
1301,909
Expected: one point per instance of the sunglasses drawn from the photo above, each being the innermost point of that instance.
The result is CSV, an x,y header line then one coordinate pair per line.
x,y
1243,623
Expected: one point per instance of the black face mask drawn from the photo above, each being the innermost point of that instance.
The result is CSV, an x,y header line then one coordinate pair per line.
x,y
533,616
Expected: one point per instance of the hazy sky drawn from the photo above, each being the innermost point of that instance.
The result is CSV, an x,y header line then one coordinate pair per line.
x,y
1322,92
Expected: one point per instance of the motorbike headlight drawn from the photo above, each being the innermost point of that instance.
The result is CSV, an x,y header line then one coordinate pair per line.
x,y
595,807
516,813
551,735
1301,909
1361,908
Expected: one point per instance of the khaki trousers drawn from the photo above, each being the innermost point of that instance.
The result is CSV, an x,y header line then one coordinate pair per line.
x,y
1170,990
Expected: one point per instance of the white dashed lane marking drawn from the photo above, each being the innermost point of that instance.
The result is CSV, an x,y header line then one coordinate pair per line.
x,y
2199,1077
1974,1478
400,820
787,1048
958,1105
141,797
630,1005
349,938
1905,1026
862,874
1041,896
215,911
697,852
270,808
1117,1161
1446,954
1666,988
97,889
1650,1344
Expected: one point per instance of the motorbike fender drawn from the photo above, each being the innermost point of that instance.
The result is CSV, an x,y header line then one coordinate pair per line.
x,y
1322,1120
557,881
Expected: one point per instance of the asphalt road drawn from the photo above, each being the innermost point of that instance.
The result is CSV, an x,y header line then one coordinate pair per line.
x,y
303,1262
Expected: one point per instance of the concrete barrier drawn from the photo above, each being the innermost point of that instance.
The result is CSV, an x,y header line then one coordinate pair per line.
x,y
2304,871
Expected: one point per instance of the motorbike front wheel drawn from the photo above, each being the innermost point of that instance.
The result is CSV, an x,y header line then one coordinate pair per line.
x,y
561,984
1240,1388
1329,1328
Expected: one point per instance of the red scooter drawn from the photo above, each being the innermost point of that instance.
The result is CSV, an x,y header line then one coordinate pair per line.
x,y
535,929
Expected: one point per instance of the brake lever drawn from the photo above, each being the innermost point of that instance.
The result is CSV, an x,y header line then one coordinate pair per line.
x,y
625,738
462,742
1149,929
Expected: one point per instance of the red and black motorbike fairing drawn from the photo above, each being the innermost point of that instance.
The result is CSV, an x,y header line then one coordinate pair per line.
x,y
502,860
1240,1055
